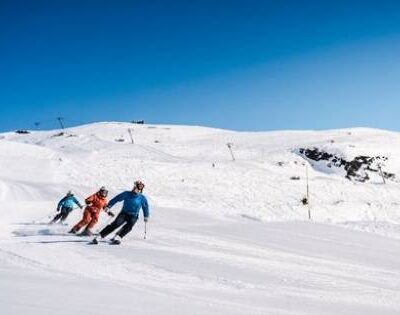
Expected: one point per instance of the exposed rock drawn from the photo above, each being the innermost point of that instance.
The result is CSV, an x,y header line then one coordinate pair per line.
x,y
22,132
356,169
58,134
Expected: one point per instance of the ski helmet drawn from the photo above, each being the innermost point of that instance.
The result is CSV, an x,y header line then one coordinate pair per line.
x,y
103,191
139,185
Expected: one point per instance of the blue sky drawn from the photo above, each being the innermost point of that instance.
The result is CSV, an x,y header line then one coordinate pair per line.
x,y
243,65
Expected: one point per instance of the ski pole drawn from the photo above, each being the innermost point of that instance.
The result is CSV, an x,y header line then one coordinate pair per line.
x,y
308,195
41,219
145,230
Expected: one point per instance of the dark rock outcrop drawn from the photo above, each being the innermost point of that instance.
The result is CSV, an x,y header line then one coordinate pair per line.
x,y
356,169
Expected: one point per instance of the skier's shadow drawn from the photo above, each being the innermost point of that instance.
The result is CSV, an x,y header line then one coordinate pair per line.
x,y
61,241
30,223
43,232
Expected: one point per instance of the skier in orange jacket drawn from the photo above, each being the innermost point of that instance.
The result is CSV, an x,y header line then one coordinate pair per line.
x,y
94,204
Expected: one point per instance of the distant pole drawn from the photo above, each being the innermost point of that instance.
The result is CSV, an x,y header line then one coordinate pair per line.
x,y
130,135
308,194
229,145
60,120
381,173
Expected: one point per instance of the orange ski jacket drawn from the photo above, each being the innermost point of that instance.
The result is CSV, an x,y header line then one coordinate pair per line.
x,y
96,203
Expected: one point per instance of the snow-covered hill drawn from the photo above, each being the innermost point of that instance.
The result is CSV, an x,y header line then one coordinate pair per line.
x,y
229,233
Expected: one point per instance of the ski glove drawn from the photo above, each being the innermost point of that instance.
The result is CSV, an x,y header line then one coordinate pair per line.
x,y
146,219
107,210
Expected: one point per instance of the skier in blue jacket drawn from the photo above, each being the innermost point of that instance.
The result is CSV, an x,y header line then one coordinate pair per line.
x,y
65,206
133,201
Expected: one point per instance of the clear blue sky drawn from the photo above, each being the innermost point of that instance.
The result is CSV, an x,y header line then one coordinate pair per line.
x,y
243,65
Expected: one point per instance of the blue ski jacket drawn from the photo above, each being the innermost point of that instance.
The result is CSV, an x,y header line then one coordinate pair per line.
x,y
132,203
68,202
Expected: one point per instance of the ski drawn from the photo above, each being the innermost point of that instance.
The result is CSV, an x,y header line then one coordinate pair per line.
x,y
109,242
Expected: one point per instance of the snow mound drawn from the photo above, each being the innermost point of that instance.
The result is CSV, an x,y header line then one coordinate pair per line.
x,y
220,172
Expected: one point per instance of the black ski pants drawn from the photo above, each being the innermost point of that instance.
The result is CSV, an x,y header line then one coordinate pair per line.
x,y
64,213
127,219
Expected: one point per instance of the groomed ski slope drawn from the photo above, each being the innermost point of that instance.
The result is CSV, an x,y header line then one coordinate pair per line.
x,y
225,237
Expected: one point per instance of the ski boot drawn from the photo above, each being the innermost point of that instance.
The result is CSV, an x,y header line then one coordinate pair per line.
x,y
86,232
94,241
116,240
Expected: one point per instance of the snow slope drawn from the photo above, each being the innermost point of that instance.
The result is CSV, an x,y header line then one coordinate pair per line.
x,y
225,237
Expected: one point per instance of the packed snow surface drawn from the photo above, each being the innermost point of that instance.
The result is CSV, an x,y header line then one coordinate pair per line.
x,y
228,232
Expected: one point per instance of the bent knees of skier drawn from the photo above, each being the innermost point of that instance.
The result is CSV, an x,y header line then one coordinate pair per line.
x,y
133,201
94,204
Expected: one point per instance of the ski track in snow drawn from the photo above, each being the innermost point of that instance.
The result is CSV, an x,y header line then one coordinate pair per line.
x,y
224,239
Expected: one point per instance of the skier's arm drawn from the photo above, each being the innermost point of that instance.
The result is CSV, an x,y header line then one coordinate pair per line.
x,y
115,200
77,203
90,199
145,207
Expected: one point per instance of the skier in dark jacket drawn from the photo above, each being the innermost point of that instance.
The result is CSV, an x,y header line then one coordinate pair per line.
x,y
65,206
133,201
